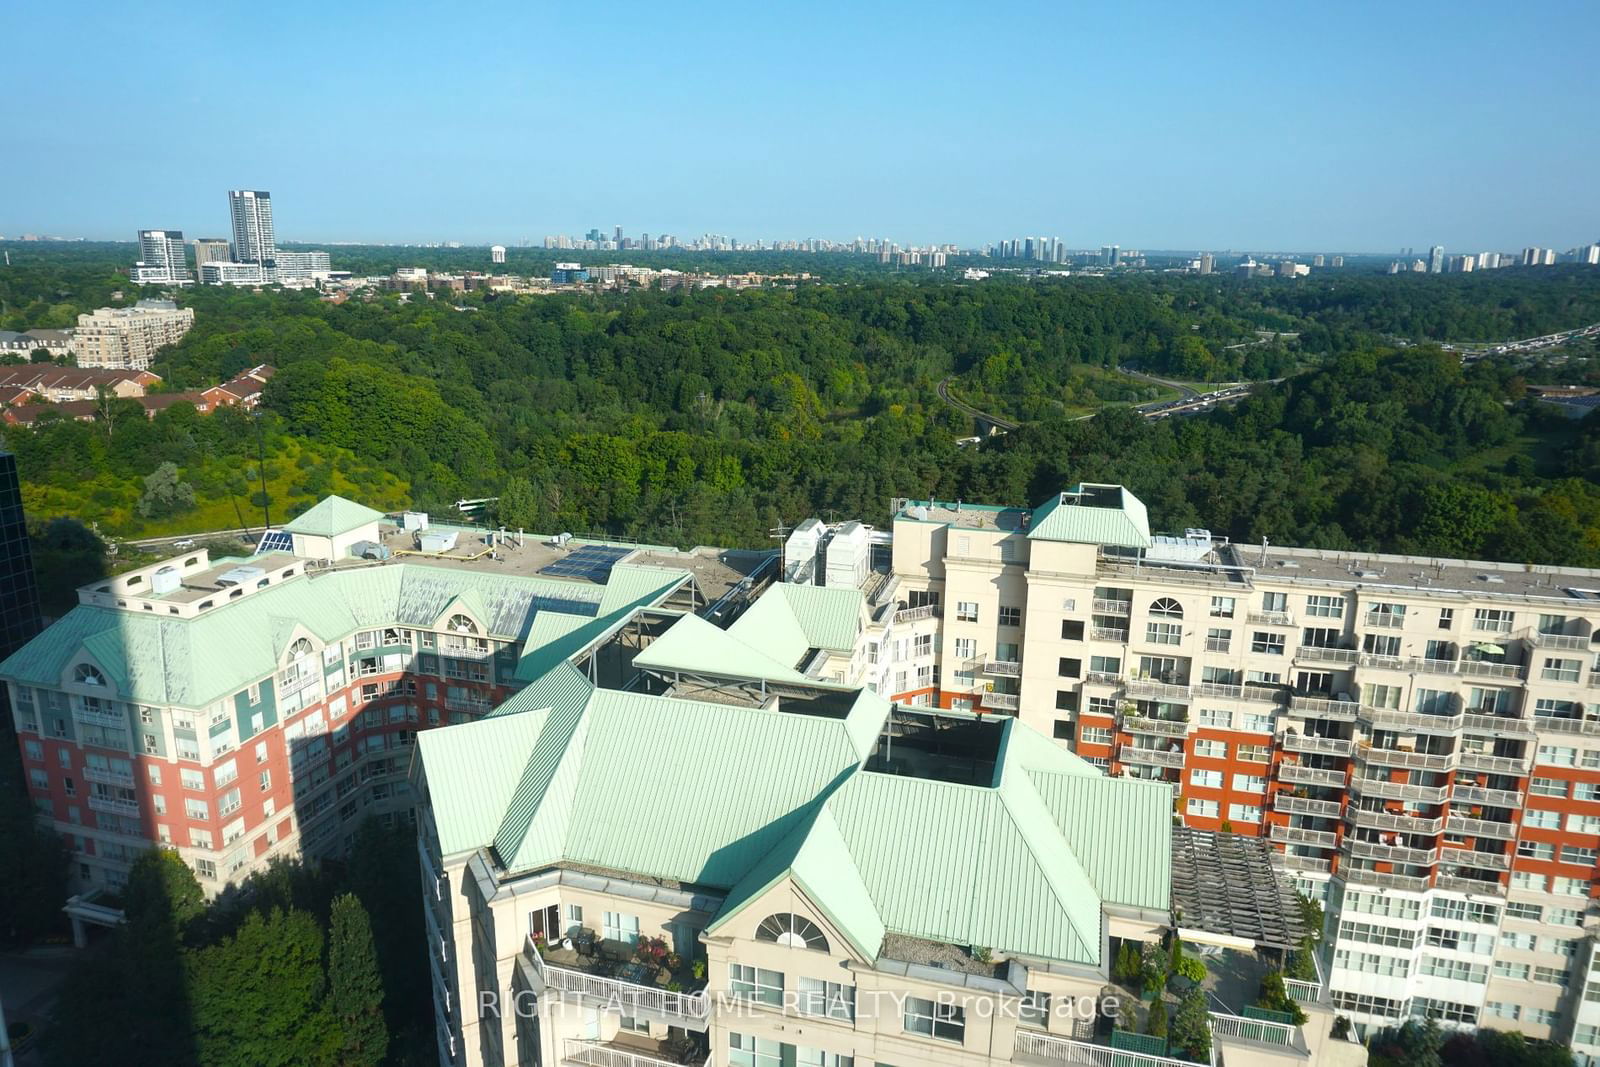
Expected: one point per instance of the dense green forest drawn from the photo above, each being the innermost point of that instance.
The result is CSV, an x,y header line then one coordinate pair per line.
x,y
712,416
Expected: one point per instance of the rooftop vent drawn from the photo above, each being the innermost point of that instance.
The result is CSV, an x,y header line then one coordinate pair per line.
x,y
1494,579
1368,574
239,576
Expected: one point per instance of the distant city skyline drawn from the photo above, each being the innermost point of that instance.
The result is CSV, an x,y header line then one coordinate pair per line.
x,y
1248,127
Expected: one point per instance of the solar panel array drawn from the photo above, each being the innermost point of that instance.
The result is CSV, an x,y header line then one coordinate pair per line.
x,y
593,562
275,541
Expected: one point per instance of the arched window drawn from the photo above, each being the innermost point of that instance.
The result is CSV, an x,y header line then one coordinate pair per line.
x,y
796,931
84,674
300,648
1167,608
460,624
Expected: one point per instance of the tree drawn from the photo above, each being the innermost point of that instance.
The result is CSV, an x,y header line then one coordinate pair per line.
x,y
66,555
162,888
1412,1044
355,991
1128,963
1275,997
1156,1024
165,493
518,506
39,355
1191,1030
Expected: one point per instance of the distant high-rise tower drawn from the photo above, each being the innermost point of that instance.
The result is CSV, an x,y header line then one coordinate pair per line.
x,y
253,239
497,254
211,250
1208,263
161,258
1436,259
19,596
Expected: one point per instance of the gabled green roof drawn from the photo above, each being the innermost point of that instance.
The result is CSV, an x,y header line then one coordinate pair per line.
x,y
1115,517
699,647
1021,866
789,620
332,516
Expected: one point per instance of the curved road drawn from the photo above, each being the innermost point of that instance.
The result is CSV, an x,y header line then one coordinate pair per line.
x,y
966,408
1188,398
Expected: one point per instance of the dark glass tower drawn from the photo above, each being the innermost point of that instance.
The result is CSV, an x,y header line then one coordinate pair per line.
x,y
19,595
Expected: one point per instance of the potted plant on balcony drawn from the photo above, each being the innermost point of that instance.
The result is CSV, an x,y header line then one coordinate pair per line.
x,y
1274,997
539,944
1152,971
649,952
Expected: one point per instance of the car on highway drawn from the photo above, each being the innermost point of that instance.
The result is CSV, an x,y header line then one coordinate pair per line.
x,y
184,545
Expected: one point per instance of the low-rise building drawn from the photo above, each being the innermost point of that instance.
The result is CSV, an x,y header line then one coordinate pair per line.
x,y
58,343
20,384
219,272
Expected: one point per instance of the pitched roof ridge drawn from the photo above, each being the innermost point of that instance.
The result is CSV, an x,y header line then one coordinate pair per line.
x,y
1018,790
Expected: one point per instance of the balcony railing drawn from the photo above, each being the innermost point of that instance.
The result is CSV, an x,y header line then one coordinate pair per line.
x,y
1502,725
113,805
1466,827
1382,787
1221,690
1268,694
1470,885
1002,667
1298,742
1484,669
1270,1033
1475,794
1053,1049
1113,607
1299,835
1319,654
1371,850
581,1053
1003,701
1106,633
1158,757
926,611
690,1010
1271,618
1293,805
1294,772
1103,678
1318,707
1576,642
1382,820
1482,761
1145,724
99,717
1384,620
473,704
1142,687
1399,757
107,776
1467,857
1561,724
1307,863
1411,721
1356,876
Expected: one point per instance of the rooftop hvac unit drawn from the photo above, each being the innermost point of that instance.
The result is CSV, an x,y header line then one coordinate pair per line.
x,y
437,541
239,576
414,520
165,580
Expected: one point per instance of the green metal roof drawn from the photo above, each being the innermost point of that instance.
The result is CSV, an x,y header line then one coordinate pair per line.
x,y
789,620
735,799
332,516
195,661
699,647
1116,518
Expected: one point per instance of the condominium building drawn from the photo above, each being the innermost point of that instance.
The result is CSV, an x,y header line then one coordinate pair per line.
x,y
302,266
693,850
220,272
253,238
162,259
128,338
1417,735
241,709
211,250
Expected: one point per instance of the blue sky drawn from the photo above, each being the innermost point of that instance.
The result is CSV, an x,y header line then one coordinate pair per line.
x,y
1335,126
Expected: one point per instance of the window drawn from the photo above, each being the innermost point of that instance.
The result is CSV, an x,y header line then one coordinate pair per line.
x,y
633,1026
1581,824
1206,779
747,1051
1205,809
1095,735
966,611
1252,753
796,931
1325,607
1516,971
1527,912
1373,934
755,983
1249,813
933,1019
264,781
1460,970
193,780
1010,616
1072,629
1164,633
966,647
1034,1009
831,999
922,645
1561,670
1268,643
1067,667
1166,608
1249,783
1433,702
1210,749
1320,637
1492,620
1218,640
1066,700
1569,887
1550,975
1372,963
196,809
85,674
621,927
1222,607
1586,791
1558,756
35,752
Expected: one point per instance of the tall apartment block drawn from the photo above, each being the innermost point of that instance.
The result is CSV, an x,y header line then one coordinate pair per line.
x,y
703,849
162,259
241,709
211,250
1419,737
128,338
253,238
19,593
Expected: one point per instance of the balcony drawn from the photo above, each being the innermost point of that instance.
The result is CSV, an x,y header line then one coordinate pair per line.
x,y
1294,772
1573,642
1220,690
1462,826
1471,857
1333,746
1225,1028
1356,876
1459,884
1103,678
1144,724
1408,824
1371,850
1399,757
1299,835
1293,805
1495,798
1482,761
926,611
106,776
1318,654
1480,722
1271,618
1561,724
113,805
1000,701
580,1053
1266,694
476,705
1411,721
1473,668
1002,668
1318,707
99,716
1106,633
1158,757
1307,863
1382,787
1113,607
1152,690
623,989
1384,620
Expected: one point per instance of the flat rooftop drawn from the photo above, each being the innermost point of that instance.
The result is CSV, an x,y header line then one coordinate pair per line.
x,y
1422,574
203,584
964,515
